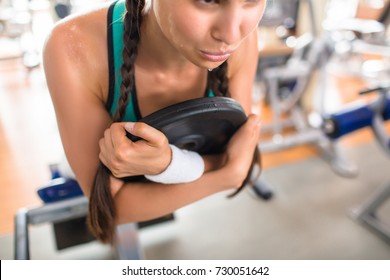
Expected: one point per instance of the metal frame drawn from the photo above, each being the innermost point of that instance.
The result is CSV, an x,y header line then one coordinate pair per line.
x,y
366,214
126,239
311,53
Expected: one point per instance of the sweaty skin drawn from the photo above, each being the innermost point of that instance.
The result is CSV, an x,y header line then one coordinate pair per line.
x,y
180,40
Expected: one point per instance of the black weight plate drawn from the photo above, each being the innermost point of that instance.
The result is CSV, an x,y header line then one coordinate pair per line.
x,y
204,125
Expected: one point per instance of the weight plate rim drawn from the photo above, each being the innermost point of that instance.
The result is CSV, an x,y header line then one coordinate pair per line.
x,y
210,106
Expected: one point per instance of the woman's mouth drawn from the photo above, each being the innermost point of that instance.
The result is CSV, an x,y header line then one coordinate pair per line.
x,y
216,57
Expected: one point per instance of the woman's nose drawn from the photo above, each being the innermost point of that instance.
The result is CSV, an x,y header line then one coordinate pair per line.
x,y
227,27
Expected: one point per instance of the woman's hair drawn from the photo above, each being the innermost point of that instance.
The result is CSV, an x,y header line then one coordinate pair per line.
x,y
102,212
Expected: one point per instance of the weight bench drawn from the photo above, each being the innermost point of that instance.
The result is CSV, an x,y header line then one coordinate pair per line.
x,y
66,208
126,241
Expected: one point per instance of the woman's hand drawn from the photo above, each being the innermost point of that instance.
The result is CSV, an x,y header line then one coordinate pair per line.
x,y
240,151
150,155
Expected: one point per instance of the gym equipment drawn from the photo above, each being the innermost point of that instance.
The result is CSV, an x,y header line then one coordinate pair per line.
x,y
351,119
356,117
62,10
203,125
59,189
285,88
66,208
17,32
355,38
283,15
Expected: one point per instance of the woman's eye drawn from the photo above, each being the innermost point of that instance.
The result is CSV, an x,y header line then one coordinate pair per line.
x,y
209,1
255,1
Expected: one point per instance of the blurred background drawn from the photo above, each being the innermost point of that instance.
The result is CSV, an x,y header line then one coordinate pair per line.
x,y
325,188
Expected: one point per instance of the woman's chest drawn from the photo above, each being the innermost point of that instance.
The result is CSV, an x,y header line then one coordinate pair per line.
x,y
158,90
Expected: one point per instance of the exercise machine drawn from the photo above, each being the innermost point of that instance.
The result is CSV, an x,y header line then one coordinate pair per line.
x,y
362,45
66,208
285,86
352,119
16,32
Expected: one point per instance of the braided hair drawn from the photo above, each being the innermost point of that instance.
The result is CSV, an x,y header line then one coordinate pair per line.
x,y
102,212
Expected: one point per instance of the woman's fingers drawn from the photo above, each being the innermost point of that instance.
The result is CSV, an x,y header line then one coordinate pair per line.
x,y
151,155
151,135
248,134
241,149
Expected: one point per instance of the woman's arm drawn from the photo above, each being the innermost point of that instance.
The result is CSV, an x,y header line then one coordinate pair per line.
x,y
242,71
76,86
144,201
151,155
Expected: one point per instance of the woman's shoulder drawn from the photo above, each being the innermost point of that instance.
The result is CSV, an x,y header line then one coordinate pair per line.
x,y
80,36
76,50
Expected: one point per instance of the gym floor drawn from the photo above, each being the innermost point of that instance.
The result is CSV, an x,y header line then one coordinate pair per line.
x,y
29,142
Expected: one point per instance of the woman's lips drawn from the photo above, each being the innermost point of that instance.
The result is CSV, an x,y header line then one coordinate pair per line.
x,y
216,57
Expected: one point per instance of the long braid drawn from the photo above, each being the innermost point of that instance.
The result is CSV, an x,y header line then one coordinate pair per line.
x,y
102,213
218,82
131,37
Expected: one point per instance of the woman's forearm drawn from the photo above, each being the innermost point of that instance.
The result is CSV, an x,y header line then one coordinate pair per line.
x,y
142,201
213,162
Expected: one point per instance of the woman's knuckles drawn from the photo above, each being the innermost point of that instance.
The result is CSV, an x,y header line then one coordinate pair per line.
x,y
161,141
107,133
140,129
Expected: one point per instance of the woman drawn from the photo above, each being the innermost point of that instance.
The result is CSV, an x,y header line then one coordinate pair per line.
x,y
172,51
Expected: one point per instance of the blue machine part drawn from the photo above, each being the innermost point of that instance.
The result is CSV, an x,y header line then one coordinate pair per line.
x,y
386,113
351,119
347,121
386,116
59,189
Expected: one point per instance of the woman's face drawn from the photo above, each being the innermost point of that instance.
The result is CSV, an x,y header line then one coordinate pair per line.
x,y
207,32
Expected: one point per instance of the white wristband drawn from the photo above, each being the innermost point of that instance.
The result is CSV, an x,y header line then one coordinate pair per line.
x,y
186,166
